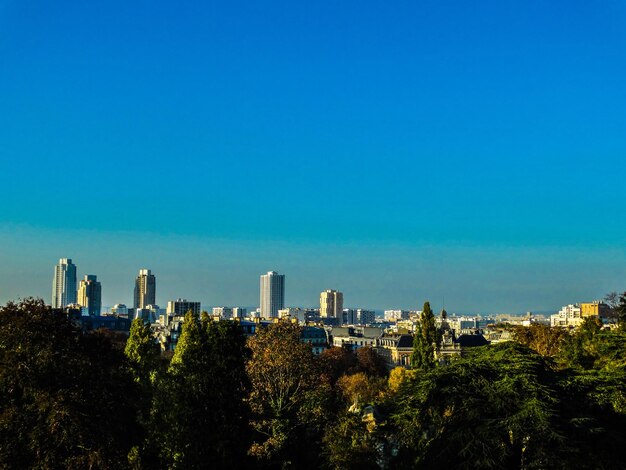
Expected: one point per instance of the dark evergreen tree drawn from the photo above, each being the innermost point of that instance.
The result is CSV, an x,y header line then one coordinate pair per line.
x,y
425,341
199,417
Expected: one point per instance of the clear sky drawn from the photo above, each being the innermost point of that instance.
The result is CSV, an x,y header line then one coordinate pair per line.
x,y
397,151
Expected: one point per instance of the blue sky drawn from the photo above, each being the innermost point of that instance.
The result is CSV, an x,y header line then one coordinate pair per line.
x,y
396,152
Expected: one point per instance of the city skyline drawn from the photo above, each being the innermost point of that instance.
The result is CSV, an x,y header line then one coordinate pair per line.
x,y
308,296
416,151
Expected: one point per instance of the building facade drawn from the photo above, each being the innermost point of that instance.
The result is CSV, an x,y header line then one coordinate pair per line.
x,y
90,295
331,305
182,306
64,284
272,294
145,289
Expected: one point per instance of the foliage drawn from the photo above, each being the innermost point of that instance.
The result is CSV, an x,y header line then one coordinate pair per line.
x,y
371,363
493,410
284,380
620,312
542,339
68,400
348,444
199,414
397,377
335,362
359,389
425,340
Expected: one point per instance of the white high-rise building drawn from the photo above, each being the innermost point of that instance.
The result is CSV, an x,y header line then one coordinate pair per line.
x,y
90,295
145,289
331,305
64,284
272,294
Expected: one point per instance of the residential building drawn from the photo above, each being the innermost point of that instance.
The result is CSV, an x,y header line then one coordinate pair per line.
x,y
317,337
355,337
239,312
349,316
272,294
90,295
119,309
182,306
145,289
64,284
365,317
396,349
223,312
395,315
597,308
331,305
568,316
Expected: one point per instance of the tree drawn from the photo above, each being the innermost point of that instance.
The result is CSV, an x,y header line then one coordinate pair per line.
x,y
371,363
425,341
284,381
620,312
68,400
495,409
360,389
142,352
335,362
348,444
543,339
199,414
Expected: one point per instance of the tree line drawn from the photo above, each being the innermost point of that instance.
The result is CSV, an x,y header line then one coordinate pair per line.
x,y
95,400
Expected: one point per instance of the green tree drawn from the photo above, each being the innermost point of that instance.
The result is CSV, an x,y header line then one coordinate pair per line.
x,y
199,414
68,400
493,410
425,341
348,444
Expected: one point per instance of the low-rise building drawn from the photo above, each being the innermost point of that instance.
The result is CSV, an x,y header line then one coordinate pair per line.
x,y
395,349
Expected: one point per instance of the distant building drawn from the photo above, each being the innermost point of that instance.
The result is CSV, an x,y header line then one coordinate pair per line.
x,y
272,294
568,316
145,289
349,316
90,295
223,312
119,309
239,312
396,350
64,284
331,305
365,317
316,336
395,315
596,308
355,337
301,314
182,306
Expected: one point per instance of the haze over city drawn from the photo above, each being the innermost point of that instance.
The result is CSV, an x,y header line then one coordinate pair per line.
x,y
402,153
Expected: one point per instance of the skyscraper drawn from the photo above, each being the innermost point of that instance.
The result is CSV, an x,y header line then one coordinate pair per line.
x,y
90,295
272,294
145,289
64,284
331,305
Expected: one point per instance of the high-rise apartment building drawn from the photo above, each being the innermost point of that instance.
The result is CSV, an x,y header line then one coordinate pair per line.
x,y
365,317
90,295
331,305
145,289
64,284
180,307
272,294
